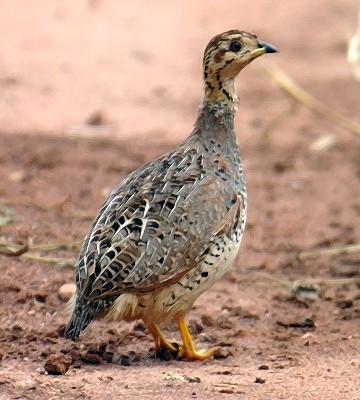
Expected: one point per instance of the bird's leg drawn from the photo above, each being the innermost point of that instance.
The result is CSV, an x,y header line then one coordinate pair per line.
x,y
160,340
188,349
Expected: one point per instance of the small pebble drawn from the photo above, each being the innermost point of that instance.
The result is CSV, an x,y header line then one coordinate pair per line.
x,y
108,356
264,367
343,304
221,353
139,327
208,320
164,354
196,379
57,364
91,358
224,322
66,291
226,391
124,361
17,176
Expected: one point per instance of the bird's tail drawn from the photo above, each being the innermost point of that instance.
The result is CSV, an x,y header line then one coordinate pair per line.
x,y
83,314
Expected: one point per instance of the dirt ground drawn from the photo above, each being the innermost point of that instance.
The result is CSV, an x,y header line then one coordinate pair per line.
x,y
91,90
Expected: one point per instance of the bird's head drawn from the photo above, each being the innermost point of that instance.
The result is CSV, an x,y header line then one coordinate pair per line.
x,y
225,56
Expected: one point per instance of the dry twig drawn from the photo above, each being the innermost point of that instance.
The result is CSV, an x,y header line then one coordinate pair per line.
x,y
278,120
322,283
352,248
286,83
12,250
27,201
57,262
23,250
71,246
57,206
353,55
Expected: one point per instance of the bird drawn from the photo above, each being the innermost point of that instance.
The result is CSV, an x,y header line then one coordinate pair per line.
x,y
172,228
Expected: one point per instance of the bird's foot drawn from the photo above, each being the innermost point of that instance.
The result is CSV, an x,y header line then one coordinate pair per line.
x,y
191,354
173,346
187,350
161,342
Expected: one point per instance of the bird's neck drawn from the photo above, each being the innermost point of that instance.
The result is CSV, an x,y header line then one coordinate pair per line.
x,y
220,101
215,121
220,89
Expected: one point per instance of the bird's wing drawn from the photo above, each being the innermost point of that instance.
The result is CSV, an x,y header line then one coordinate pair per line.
x,y
159,230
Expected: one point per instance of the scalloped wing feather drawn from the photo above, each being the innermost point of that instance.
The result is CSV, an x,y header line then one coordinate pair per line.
x,y
147,238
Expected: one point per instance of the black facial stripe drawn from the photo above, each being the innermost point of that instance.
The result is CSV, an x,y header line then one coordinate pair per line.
x,y
227,62
227,94
209,85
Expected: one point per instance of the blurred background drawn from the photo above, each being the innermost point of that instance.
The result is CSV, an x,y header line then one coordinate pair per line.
x,y
91,90
138,63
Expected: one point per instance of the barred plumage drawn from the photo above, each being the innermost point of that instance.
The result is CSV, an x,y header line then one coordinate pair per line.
x,y
172,228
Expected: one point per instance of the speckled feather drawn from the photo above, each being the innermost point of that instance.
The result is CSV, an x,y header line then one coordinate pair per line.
x,y
172,223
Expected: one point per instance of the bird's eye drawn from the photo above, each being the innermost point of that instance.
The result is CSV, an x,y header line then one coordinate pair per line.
x,y
235,46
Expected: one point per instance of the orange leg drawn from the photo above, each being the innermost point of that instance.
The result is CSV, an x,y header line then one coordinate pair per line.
x,y
160,340
188,349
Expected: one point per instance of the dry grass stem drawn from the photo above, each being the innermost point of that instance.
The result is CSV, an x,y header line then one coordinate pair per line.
x,y
72,246
23,250
334,251
321,283
12,250
57,262
57,206
81,215
278,120
27,201
266,279
353,55
287,84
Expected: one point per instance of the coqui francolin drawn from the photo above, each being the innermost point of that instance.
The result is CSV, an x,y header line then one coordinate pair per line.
x,y
172,228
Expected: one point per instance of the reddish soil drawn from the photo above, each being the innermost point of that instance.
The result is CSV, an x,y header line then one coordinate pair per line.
x,y
91,91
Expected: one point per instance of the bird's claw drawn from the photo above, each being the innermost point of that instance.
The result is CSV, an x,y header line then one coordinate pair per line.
x,y
192,354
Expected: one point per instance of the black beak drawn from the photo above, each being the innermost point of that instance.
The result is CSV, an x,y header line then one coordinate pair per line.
x,y
268,48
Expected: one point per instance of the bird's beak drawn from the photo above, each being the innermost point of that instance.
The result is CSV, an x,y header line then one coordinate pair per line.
x,y
263,48
266,47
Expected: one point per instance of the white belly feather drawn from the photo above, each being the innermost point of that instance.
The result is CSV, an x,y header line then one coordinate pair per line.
x,y
169,302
